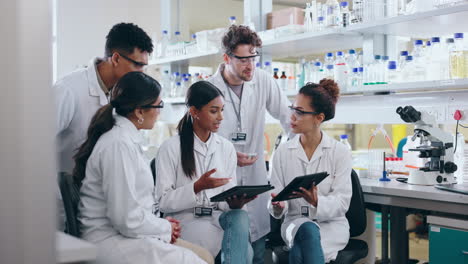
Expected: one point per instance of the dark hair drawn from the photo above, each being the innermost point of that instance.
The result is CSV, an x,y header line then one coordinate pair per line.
x,y
133,90
125,37
198,95
237,35
324,96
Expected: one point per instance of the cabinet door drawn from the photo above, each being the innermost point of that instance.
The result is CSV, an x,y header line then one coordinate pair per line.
x,y
448,245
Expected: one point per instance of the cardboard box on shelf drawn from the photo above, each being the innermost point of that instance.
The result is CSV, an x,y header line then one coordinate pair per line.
x,y
283,17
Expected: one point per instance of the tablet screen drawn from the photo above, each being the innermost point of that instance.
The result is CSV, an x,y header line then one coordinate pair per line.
x,y
305,181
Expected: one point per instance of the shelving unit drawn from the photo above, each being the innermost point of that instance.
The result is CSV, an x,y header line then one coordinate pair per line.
x,y
422,25
195,59
354,105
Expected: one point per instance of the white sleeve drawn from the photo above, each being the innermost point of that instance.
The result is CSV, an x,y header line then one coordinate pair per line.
x,y
336,202
170,198
124,209
65,107
277,104
231,166
277,180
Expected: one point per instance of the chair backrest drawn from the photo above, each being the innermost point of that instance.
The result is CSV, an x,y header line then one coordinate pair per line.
x,y
153,169
70,197
356,214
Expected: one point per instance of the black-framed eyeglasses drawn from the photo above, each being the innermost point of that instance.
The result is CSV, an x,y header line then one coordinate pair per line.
x,y
299,112
160,105
136,63
245,59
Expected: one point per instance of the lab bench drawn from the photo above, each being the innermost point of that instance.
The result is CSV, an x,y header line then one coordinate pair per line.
x,y
397,197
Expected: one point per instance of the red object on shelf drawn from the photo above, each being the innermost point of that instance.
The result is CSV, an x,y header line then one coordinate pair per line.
x,y
458,115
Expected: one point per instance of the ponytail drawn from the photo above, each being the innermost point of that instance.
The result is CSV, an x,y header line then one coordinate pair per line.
x,y
199,94
185,129
102,122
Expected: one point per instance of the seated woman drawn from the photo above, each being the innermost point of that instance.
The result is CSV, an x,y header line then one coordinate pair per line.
x,y
195,165
116,208
315,226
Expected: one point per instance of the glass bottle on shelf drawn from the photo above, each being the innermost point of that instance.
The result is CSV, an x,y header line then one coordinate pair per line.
x,y
458,58
284,81
162,45
344,140
333,14
345,14
275,73
267,67
392,75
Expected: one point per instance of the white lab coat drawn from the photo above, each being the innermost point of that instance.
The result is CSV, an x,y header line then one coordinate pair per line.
x,y
259,95
117,203
78,96
334,193
175,191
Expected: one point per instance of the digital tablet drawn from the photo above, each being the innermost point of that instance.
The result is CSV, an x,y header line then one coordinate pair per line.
x,y
305,181
249,190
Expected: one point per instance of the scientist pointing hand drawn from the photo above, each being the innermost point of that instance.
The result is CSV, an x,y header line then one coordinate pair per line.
x,y
208,182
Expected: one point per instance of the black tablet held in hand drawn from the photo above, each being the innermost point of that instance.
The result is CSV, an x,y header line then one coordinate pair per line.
x,y
249,190
305,181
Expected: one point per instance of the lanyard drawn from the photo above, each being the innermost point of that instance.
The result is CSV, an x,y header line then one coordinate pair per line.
x,y
239,120
205,196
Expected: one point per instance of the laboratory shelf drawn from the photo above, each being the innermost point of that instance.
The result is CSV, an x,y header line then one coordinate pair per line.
x,y
174,100
436,22
303,44
194,59
446,85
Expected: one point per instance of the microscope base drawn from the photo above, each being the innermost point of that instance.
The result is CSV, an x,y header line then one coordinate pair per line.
x,y
430,178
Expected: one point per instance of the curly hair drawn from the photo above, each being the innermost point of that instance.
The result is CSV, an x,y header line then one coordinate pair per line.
x,y
125,37
324,96
238,34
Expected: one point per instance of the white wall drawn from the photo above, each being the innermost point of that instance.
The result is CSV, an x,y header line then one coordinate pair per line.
x,y
27,226
83,25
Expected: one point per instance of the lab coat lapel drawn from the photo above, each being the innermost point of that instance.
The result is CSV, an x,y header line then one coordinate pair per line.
x,y
93,84
197,147
298,149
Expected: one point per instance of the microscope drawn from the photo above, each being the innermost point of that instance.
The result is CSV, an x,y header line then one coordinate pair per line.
x,y
436,148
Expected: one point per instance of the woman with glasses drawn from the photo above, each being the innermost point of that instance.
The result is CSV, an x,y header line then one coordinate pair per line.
x,y
116,211
315,226
196,165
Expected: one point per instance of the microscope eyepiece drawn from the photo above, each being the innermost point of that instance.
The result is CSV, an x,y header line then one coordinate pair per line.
x,y
409,114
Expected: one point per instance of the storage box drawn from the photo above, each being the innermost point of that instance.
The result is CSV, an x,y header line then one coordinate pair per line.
x,y
283,17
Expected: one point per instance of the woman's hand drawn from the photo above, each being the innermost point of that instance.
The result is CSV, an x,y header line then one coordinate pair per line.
x,y
238,202
277,206
309,195
175,229
208,182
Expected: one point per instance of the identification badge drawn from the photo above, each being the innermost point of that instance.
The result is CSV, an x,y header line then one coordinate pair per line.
x,y
202,211
238,137
305,211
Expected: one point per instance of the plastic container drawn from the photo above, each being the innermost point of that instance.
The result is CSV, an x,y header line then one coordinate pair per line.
x,y
344,140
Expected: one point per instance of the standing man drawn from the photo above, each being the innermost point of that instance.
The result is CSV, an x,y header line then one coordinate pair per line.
x,y
81,93
249,93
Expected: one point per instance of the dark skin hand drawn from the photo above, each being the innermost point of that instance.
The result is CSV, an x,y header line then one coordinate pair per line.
x,y
235,202
309,195
208,182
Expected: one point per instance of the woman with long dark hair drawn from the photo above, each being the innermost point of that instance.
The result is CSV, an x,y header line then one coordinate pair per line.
x,y
315,226
116,208
195,165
